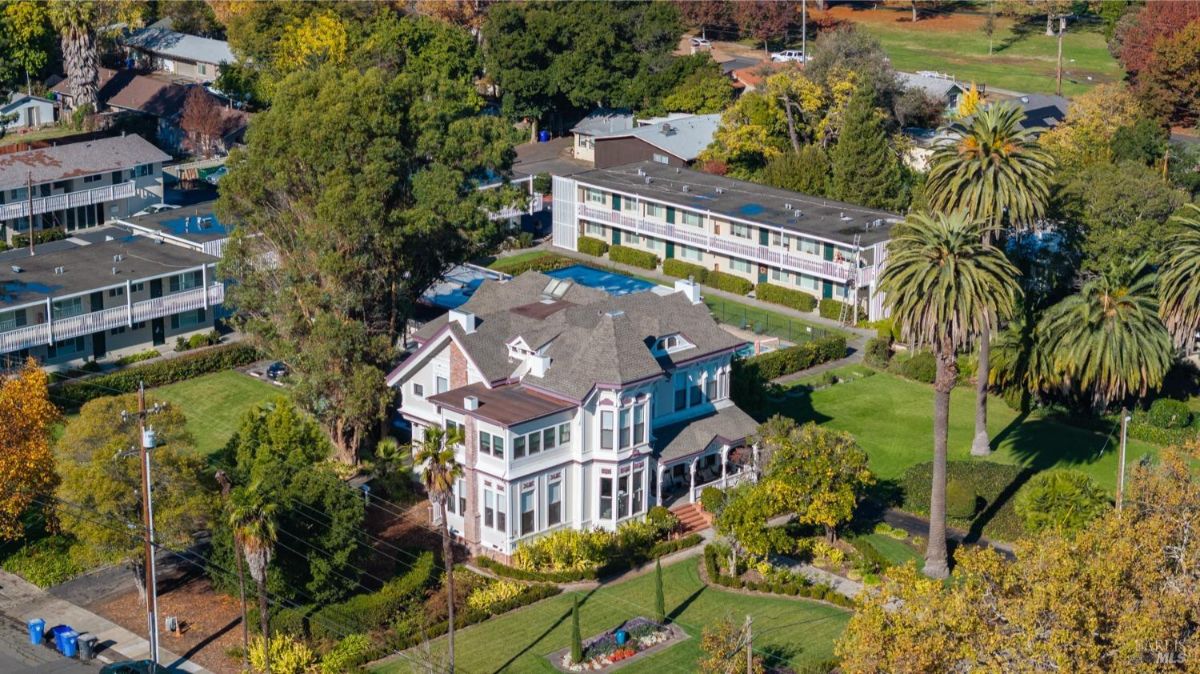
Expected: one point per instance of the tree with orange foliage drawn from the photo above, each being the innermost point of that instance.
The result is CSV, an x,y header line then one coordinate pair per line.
x,y
26,463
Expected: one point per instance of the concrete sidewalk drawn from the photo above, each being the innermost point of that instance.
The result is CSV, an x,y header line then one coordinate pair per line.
x,y
23,601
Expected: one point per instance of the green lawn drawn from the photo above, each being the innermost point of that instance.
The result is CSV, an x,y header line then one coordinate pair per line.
x,y
896,552
504,264
765,322
214,404
798,632
1023,57
892,418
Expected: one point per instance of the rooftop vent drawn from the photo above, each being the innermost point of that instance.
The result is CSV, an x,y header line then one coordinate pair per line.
x,y
641,172
649,180
471,403
109,237
686,188
846,218
114,271
613,313
799,213
17,269
58,271
118,257
787,207
720,190
667,129
465,320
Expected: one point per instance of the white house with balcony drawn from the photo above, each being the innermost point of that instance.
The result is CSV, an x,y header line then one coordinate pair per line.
x,y
763,234
102,294
580,409
78,185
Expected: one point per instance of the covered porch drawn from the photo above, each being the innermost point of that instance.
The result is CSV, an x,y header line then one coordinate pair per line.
x,y
710,451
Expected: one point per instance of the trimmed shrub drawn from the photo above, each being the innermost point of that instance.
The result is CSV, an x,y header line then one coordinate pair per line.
x,y
795,358
1168,413
542,183
495,593
711,499
664,548
990,481
543,262
501,569
289,655
45,562
832,309
74,394
590,246
961,499
633,257
796,299
137,357
728,282
664,520
681,269
348,655
921,366
878,352
365,612
1061,499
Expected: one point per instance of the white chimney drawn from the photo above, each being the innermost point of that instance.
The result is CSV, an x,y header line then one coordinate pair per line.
x,y
690,289
538,365
471,403
465,319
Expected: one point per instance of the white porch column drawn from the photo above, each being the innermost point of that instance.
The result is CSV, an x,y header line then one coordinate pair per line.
x,y
204,283
724,460
128,303
692,488
49,304
658,493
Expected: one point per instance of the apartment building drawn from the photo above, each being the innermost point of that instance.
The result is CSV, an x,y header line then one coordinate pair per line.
x,y
78,185
763,234
101,294
580,409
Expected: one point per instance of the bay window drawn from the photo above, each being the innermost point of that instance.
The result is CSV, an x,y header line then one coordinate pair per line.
x,y
564,434
638,491
518,446
548,438
535,443
624,429
639,424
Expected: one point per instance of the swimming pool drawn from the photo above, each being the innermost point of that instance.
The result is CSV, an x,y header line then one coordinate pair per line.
x,y
610,282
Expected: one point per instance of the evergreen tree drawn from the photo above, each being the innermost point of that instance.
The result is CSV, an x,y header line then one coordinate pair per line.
x,y
806,171
865,169
660,608
576,640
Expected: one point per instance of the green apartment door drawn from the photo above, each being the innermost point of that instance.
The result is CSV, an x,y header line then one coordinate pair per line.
x,y
670,254
616,237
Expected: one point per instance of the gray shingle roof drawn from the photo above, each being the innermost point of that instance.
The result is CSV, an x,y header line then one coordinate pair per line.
x,y
181,45
685,137
730,424
938,87
604,120
77,159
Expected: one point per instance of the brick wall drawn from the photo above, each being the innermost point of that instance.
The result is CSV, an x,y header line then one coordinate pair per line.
x,y
458,366
471,517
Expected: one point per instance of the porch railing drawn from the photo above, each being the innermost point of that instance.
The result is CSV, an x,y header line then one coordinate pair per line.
x,y
59,202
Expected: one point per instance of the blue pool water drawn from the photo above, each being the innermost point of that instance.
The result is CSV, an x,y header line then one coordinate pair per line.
x,y
609,282
449,296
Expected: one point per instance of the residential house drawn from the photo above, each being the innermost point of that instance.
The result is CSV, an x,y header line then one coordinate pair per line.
x,y
580,409
675,140
78,185
937,86
599,122
763,234
1042,112
26,111
195,58
102,294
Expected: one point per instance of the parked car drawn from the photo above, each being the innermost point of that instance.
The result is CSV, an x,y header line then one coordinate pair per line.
x,y
215,177
701,43
277,370
156,208
794,55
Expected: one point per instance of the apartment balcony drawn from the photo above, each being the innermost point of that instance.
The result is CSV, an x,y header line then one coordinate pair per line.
x,y
113,317
61,202
840,271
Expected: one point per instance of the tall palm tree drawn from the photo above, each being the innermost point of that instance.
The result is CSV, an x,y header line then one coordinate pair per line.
x,y
226,490
992,169
435,453
75,21
945,286
1107,339
1179,287
253,521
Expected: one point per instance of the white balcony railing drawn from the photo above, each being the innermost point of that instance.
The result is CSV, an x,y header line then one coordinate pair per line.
x,y
840,271
59,202
743,476
113,317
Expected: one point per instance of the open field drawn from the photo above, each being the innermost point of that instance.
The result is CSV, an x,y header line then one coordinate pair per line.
x,y
794,631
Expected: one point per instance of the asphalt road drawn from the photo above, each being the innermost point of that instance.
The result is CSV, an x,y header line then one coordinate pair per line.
x,y
18,656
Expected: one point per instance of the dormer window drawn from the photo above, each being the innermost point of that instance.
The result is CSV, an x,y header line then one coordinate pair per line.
x,y
671,344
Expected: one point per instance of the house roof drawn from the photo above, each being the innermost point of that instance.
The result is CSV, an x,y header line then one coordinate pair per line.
x,y
684,136
77,159
1042,111
604,120
754,75
933,85
503,405
16,99
128,90
592,338
88,261
728,424
743,200
738,63
173,44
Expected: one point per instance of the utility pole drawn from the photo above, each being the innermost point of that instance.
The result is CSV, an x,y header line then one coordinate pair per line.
x,y
749,647
147,443
29,199
1125,418
804,30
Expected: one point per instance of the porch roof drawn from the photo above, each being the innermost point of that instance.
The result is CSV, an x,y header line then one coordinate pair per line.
x,y
729,424
504,405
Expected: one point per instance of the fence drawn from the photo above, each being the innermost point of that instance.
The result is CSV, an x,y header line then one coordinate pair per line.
x,y
763,322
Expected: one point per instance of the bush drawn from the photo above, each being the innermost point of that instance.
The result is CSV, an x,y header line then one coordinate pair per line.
x,y
137,357
922,367
407,639
832,309
521,574
565,550
45,562
1168,413
664,548
878,352
663,519
366,612
198,340
1061,499
869,559
800,357
289,655
493,594
796,299
540,263
711,499
990,481
542,184
590,246
348,655
728,282
681,269
76,393
961,499
633,257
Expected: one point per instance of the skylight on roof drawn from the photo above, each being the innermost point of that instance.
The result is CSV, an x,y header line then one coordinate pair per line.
x,y
556,288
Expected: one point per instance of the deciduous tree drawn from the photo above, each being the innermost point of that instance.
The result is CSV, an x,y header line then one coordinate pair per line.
x,y
763,19
1084,138
1153,22
1169,84
26,464
704,92
806,172
315,40
701,14
202,119
752,132
26,37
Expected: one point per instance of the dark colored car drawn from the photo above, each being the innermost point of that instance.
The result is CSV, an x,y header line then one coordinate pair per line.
x,y
277,370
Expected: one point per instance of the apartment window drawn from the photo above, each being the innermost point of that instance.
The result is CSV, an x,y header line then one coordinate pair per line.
x,y
623,426
595,196
461,488
639,424
117,331
139,325
418,390
652,244
638,491
501,512
180,282
187,319
623,496
528,515
203,68
693,219
145,170
553,503
451,502
778,239
68,308
606,498
535,443
710,388
92,179
489,508
807,282
12,320
497,446
739,230
632,239
452,425
780,275
485,443
809,246
441,384
680,392
137,287
549,437
661,158
116,292
593,229
689,253
564,434
518,446
739,265
628,204
606,431
656,211
724,384
67,347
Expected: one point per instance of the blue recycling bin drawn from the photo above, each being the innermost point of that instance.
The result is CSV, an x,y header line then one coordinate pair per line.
x,y
70,641
622,636
56,634
37,631
543,136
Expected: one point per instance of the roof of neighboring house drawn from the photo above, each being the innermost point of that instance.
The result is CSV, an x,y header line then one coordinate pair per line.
x,y
1042,111
87,262
738,63
604,120
77,159
728,424
504,405
754,75
683,136
743,200
592,338
128,90
16,99
932,85
173,44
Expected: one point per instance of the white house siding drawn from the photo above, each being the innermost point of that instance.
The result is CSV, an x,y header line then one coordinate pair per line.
x,y
563,215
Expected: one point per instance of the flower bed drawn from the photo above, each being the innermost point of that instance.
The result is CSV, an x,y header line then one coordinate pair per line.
x,y
604,653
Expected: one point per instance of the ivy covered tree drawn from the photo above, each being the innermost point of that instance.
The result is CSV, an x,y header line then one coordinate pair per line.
x,y
866,170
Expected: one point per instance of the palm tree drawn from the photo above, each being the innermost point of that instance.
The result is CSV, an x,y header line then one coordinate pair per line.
x,y
945,286
1179,287
994,170
226,489
1107,339
253,523
75,21
441,471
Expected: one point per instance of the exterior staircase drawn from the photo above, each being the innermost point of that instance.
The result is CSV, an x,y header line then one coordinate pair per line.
x,y
691,517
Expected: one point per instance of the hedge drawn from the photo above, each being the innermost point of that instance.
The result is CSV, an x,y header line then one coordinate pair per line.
x,y
989,481
664,548
634,257
366,612
543,262
775,364
832,309
590,246
796,299
76,393
531,595
728,282
681,269
818,591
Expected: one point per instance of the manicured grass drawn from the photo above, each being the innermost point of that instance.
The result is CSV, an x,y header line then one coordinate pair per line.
x,y
764,322
798,632
1023,56
892,418
214,404
896,552
504,264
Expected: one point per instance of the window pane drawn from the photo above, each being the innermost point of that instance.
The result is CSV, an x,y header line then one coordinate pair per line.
x,y
498,446
695,394
639,424
527,519
564,434
489,508
711,388
606,430
606,494
485,443
535,443
548,438
637,491
624,429
623,497
518,446
680,392
553,503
